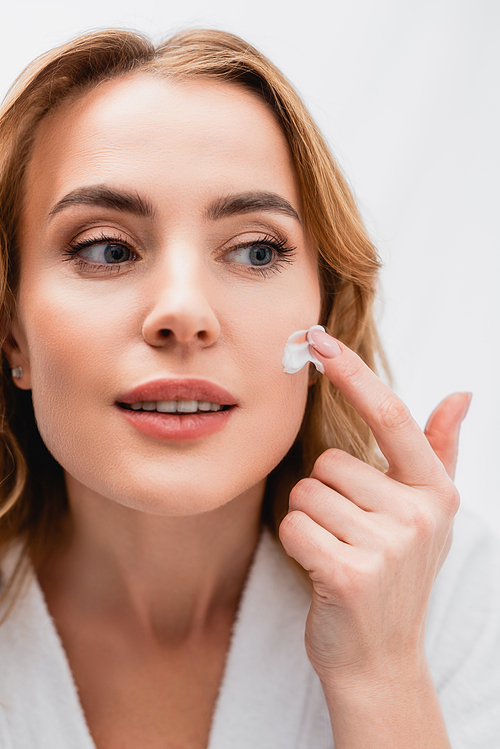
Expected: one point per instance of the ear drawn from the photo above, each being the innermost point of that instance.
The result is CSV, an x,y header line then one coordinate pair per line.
x,y
16,350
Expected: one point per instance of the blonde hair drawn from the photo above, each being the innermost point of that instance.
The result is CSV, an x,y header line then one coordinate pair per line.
x,y
33,499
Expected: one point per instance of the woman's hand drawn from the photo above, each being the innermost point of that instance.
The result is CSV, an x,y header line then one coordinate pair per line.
x,y
373,542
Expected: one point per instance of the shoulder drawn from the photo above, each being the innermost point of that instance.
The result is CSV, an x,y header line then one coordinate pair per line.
x,y
15,598
23,652
38,700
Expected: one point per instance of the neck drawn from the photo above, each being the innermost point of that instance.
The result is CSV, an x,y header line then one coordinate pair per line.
x,y
171,576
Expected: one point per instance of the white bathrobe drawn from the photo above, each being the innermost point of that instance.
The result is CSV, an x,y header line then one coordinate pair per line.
x,y
270,697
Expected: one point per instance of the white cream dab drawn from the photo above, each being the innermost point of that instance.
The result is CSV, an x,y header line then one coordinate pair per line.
x,y
297,354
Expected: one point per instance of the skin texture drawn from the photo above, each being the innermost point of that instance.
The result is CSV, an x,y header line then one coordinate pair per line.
x,y
146,647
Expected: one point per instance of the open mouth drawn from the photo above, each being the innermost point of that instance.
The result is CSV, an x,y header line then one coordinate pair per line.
x,y
175,407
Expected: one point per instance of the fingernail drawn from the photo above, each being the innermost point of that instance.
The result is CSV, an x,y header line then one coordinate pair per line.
x,y
324,344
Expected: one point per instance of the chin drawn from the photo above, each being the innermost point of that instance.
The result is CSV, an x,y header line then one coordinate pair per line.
x,y
178,502
168,495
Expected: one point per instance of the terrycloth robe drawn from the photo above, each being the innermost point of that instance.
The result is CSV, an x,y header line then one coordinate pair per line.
x,y
270,697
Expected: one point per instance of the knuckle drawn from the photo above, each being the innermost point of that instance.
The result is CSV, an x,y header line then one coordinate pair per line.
x,y
420,521
392,413
289,525
302,493
451,499
353,369
324,463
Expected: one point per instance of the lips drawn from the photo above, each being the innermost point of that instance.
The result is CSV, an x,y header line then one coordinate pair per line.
x,y
178,390
178,426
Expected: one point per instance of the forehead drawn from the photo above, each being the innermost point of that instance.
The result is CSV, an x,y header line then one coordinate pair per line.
x,y
193,136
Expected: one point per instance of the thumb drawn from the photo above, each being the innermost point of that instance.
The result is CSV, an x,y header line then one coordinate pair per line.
x,y
443,428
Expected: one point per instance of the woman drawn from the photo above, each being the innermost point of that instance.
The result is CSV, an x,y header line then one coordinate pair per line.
x,y
169,217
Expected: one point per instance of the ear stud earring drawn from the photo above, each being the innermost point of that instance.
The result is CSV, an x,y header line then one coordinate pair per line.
x,y
17,373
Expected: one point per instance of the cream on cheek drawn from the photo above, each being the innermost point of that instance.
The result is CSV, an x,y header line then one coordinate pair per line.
x,y
278,401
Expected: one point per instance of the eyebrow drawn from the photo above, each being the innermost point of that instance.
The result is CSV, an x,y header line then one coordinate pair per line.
x,y
251,202
104,197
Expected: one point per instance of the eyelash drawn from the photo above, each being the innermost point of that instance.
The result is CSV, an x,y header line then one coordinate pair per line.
x,y
71,254
285,254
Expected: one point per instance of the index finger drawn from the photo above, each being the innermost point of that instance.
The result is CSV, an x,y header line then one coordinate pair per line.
x,y
407,450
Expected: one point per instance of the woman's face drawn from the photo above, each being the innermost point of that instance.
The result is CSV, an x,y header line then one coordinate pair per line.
x,y
163,252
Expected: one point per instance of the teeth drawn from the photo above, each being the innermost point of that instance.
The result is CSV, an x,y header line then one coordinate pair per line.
x,y
184,407
187,407
166,407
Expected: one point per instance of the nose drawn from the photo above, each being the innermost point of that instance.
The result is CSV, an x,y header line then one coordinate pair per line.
x,y
181,312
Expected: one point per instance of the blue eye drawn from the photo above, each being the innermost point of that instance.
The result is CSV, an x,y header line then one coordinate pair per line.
x,y
265,256
255,255
106,252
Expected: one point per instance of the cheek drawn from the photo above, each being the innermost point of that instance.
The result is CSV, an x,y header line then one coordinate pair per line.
x,y
73,348
279,397
74,331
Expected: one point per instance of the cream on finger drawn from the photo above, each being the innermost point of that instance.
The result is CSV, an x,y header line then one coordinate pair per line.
x,y
298,351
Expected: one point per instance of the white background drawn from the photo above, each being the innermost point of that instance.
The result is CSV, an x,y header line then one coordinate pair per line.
x,y
407,94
